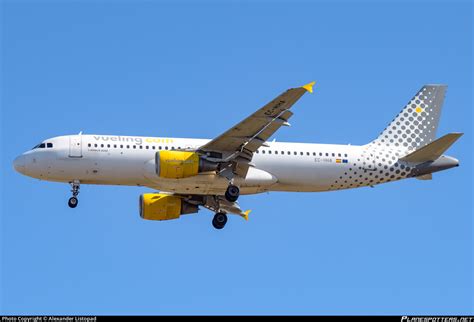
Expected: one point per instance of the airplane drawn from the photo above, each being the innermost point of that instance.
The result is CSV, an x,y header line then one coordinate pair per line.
x,y
191,173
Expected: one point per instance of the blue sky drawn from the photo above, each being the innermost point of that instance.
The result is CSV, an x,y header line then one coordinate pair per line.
x,y
187,69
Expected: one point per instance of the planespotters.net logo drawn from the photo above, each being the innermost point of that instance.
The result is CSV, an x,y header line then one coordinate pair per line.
x,y
437,319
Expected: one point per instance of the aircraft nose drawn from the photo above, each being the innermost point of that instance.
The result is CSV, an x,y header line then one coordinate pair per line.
x,y
20,164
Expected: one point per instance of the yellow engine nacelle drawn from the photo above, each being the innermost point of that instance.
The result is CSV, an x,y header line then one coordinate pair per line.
x,y
181,164
160,206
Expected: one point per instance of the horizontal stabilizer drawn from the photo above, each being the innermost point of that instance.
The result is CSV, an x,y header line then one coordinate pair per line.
x,y
433,150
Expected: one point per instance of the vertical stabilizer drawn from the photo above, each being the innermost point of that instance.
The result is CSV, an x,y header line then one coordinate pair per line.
x,y
415,126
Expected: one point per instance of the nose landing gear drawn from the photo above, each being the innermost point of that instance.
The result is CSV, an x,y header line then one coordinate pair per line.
x,y
72,202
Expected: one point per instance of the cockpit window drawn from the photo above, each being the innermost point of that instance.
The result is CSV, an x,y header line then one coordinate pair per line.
x,y
49,145
42,146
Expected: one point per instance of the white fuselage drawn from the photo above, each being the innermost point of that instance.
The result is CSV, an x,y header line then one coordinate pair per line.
x,y
125,160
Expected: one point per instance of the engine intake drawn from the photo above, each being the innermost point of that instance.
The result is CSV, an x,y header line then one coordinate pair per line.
x,y
161,206
181,164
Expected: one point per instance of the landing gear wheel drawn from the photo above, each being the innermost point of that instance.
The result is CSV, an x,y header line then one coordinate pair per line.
x,y
232,193
219,221
72,202
75,185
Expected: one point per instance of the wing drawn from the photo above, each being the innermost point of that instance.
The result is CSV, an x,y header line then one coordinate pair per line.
x,y
242,140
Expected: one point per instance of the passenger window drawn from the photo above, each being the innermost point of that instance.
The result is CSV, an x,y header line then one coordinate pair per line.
x,y
141,147
108,145
166,148
89,145
320,154
256,151
134,146
101,145
115,146
153,147
263,151
327,154
159,148
282,152
333,155
172,148
345,155
289,152
295,153
147,147
276,152
301,153
314,153
95,145
339,155
128,146
269,151
307,153
121,146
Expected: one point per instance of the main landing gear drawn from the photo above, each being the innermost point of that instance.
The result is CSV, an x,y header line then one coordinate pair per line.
x,y
75,191
232,193
219,221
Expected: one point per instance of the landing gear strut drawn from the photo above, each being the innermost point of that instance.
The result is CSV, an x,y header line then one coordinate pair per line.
x,y
232,193
219,221
75,191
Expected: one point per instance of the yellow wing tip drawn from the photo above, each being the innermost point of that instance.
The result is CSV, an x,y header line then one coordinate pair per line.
x,y
309,87
246,214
